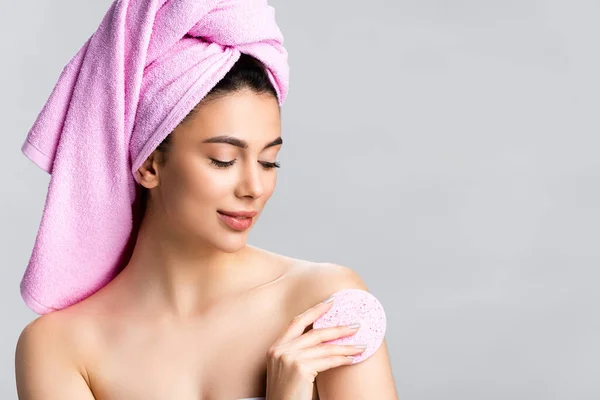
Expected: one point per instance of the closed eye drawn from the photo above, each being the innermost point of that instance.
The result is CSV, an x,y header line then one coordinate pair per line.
x,y
222,164
225,164
270,165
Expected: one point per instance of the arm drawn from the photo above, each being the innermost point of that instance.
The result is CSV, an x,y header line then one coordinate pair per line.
x,y
369,379
43,368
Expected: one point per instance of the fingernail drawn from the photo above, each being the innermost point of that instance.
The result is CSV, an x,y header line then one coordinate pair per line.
x,y
354,326
328,300
361,346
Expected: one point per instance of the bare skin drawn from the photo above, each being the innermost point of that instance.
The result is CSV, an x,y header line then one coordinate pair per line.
x,y
102,348
220,354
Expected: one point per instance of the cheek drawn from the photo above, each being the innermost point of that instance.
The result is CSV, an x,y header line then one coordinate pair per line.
x,y
204,186
190,188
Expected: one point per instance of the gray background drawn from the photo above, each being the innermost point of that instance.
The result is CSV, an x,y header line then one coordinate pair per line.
x,y
446,151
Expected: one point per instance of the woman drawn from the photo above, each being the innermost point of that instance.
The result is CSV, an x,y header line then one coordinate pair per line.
x,y
196,312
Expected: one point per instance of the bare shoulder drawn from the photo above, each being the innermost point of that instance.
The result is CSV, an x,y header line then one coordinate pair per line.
x,y
47,362
314,282
50,334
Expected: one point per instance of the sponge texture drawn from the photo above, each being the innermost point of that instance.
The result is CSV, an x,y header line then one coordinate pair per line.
x,y
355,305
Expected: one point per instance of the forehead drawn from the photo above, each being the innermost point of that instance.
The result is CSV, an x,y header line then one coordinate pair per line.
x,y
247,115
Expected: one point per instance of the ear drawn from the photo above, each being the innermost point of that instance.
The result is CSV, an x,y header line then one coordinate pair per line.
x,y
148,172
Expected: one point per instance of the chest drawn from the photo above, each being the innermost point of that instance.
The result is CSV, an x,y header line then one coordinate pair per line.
x,y
220,356
176,376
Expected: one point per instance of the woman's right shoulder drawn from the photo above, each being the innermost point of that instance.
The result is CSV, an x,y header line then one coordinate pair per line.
x,y
45,334
47,359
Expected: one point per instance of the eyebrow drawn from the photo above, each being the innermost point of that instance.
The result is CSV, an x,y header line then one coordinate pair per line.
x,y
239,142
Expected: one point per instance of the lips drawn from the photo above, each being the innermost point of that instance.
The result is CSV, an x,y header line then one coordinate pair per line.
x,y
239,214
239,223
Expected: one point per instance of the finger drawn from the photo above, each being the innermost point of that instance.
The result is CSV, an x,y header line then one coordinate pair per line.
x,y
318,336
302,321
328,350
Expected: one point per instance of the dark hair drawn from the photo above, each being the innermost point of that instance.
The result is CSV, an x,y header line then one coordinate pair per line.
x,y
247,73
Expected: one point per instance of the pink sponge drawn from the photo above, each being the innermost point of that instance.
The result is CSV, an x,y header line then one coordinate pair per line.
x,y
355,305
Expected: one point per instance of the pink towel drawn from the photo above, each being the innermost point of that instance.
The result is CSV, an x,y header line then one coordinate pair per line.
x,y
146,66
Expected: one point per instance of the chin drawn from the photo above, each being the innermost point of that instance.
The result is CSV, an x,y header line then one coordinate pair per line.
x,y
231,243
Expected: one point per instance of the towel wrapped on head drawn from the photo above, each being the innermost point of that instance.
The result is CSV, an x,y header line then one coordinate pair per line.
x,y
149,63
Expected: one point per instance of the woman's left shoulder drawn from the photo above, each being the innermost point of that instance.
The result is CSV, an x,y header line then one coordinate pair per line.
x,y
315,281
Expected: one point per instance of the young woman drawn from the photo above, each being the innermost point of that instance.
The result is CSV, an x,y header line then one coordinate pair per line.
x,y
197,312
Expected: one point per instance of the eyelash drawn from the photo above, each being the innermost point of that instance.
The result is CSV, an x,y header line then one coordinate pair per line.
x,y
225,164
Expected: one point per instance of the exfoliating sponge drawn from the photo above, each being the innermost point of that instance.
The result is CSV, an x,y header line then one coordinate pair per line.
x,y
355,305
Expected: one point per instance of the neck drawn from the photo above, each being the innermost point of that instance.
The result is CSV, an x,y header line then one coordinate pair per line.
x,y
173,275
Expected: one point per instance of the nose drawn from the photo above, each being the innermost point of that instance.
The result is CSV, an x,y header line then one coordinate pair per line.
x,y
251,184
